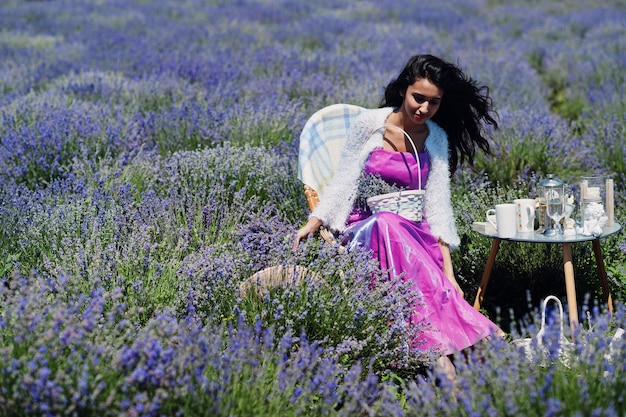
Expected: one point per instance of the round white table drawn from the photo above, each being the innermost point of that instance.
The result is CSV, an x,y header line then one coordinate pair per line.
x,y
566,242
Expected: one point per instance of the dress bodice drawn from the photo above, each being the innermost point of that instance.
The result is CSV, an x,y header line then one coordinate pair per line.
x,y
399,168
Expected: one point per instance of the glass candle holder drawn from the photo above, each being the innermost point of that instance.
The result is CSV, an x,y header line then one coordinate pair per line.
x,y
592,204
551,204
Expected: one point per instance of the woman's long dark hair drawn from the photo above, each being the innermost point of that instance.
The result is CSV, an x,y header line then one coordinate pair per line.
x,y
463,110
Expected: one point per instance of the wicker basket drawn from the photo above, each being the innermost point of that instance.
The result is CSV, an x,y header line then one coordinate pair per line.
x,y
406,203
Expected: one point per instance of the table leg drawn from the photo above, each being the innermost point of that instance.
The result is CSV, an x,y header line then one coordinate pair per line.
x,y
570,286
606,294
491,259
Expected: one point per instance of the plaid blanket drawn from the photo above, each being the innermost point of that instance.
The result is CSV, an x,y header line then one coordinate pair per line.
x,y
321,142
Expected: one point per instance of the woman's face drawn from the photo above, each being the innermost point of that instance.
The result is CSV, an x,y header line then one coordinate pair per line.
x,y
421,100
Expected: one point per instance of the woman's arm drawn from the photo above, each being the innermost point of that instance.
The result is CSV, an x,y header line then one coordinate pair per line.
x,y
438,200
448,270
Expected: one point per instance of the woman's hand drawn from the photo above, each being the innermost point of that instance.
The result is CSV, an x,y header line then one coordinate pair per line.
x,y
455,284
448,270
307,230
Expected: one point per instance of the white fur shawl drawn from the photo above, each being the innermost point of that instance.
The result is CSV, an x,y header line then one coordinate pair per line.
x,y
338,198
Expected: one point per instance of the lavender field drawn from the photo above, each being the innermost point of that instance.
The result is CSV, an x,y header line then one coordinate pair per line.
x,y
148,167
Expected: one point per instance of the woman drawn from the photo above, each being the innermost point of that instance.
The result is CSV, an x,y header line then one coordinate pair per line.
x,y
442,112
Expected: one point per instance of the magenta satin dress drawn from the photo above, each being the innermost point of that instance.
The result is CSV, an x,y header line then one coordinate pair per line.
x,y
405,246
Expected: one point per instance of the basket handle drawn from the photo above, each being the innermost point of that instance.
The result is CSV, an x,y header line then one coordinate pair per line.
x,y
543,316
417,157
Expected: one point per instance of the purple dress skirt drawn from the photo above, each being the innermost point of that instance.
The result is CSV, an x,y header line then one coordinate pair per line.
x,y
405,246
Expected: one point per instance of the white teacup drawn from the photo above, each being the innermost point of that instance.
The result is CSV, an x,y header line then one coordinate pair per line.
x,y
525,212
505,219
